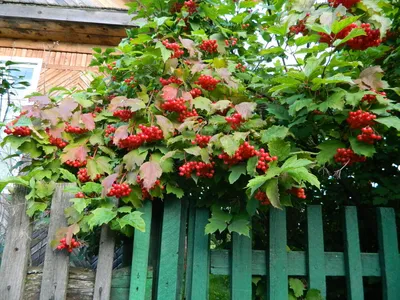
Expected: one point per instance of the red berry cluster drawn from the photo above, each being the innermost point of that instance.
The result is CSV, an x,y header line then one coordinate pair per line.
x,y
124,114
345,3
187,114
201,169
195,93
170,80
80,195
368,136
18,131
298,192
58,142
371,98
363,42
262,197
263,160
235,120
300,27
145,192
148,134
191,6
63,245
231,42
84,177
119,190
348,157
129,80
207,82
74,129
358,119
201,140
76,163
245,26
110,130
178,52
241,67
111,66
244,152
209,46
177,105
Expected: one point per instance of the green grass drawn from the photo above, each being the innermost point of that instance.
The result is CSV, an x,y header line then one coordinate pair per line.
x,y
219,287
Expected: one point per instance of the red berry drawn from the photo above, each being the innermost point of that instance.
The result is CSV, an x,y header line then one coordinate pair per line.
x,y
178,52
358,119
119,190
262,197
200,169
18,131
298,192
207,82
80,195
124,114
348,157
345,3
170,80
235,120
201,140
74,129
209,46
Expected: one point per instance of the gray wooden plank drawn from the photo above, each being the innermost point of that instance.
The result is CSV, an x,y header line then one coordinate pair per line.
x,y
56,263
17,249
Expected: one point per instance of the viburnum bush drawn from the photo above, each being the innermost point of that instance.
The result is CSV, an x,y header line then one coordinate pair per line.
x,y
237,105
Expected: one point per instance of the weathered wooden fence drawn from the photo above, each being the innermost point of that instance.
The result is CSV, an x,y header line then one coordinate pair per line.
x,y
185,261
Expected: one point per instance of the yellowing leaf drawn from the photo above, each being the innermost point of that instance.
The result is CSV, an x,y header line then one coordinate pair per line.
x,y
149,172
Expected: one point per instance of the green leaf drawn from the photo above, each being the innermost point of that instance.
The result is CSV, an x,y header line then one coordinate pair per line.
x,y
390,122
30,147
319,28
354,33
196,150
302,174
134,220
361,148
272,190
24,121
202,103
337,78
97,138
340,24
240,226
103,165
229,144
279,148
236,171
314,294
278,111
80,204
299,105
252,205
34,207
251,166
258,181
312,65
173,189
354,99
165,53
134,159
334,101
68,175
274,132
92,187
313,38
297,286
16,180
91,167
214,225
294,163
328,150
101,216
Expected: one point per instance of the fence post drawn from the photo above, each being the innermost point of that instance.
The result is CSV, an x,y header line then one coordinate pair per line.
x,y
315,249
277,280
140,260
355,289
241,267
388,253
17,249
56,263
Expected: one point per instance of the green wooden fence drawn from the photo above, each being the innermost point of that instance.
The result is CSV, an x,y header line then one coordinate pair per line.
x,y
241,263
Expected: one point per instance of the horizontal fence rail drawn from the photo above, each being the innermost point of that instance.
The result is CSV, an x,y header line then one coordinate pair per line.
x,y
172,260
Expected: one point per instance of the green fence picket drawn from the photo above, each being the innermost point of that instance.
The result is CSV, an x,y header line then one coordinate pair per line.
x,y
354,271
190,245
315,249
277,271
241,262
169,285
140,259
389,253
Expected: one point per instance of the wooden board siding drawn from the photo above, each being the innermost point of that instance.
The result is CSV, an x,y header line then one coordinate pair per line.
x,y
60,68
113,4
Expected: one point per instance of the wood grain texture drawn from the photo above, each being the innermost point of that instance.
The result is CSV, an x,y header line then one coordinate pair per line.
x,y
168,286
315,249
140,259
17,249
389,253
277,267
114,4
56,263
102,287
355,289
189,251
241,267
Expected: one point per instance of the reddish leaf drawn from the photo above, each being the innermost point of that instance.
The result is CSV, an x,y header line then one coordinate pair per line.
x,y
40,101
76,119
88,120
187,96
197,67
116,102
120,133
371,78
56,131
166,125
79,153
121,101
169,92
71,231
150,171
66,107
220,105
226,76
31,111
107,183
50,114
189,45
246,109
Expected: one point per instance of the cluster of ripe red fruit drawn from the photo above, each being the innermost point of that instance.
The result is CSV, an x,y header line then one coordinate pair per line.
x,y
110,130
235,120
208,83
73,244
170,80
178,52
76,163
300,27
262,197
187,114
74,129
358,119
145,192
263,159
111,66
241,67
368,135
231,42
174,105
200,168
348,157
18,131
80,195
119,190
148,135
201,140
195,93
58,142
84,177
209,46
298,192
371,98
191,6
129,80
345,3
124,114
